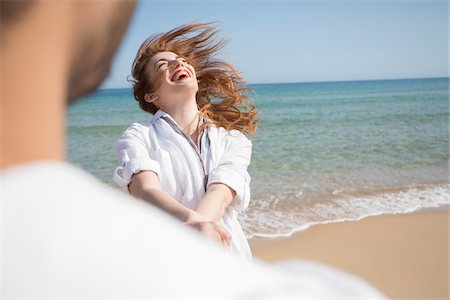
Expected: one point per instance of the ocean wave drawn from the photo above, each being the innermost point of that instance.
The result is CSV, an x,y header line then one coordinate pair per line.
x,y
274,218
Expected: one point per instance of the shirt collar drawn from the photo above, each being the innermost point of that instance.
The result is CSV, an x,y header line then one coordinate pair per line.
x,y
160,113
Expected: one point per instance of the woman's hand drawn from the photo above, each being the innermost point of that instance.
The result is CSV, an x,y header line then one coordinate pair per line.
x,y
216,232
212,229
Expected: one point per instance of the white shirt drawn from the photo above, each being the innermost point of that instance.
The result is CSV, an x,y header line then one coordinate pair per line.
x,y
64,234
186,169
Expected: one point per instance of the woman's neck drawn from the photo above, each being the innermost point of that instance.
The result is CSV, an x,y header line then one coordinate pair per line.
x,y
187,116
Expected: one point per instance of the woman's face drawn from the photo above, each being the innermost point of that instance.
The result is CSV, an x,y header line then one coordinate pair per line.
x,y
175,76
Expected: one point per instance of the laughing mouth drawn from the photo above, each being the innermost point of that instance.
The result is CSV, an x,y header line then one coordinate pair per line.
x,y
181,74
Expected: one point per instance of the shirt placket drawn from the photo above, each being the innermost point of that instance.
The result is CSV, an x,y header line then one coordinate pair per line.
x,y
196,149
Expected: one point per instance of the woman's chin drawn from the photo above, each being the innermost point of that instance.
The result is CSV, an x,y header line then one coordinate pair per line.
x,y
188,85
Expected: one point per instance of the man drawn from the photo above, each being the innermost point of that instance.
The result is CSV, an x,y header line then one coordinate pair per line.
x,y
66,235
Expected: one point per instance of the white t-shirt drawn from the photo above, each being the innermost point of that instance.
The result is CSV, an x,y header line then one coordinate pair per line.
x,y
65,234
186,169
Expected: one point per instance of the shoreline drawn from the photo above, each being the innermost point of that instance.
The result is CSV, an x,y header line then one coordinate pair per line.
x,y
282,218
403,255
440,209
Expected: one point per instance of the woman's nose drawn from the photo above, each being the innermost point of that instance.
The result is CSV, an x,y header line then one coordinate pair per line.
x,y
178,62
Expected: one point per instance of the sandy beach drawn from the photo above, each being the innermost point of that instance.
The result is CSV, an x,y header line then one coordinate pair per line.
x,y
404,256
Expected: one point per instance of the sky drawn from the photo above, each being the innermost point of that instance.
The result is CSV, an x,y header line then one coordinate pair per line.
x,y
306,41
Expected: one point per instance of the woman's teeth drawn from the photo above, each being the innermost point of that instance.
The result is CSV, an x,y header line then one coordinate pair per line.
x,y
180,76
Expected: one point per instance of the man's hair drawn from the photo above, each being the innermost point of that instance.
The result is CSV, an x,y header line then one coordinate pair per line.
x,y
12,10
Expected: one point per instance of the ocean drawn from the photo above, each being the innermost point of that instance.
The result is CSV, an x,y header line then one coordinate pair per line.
x,y
324,152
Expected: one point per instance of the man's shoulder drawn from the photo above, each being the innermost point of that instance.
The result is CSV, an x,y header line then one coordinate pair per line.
x,y
55,181
66,233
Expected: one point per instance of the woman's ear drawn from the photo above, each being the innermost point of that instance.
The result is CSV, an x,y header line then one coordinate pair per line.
x,y
150,97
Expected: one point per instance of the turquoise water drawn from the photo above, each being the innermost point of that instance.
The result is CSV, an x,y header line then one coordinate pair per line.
x,y
324,152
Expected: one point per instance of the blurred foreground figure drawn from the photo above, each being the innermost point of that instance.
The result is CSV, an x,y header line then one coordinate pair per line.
x,y
63,233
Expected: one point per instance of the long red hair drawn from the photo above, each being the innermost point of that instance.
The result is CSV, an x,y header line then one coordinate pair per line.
x,y
222,95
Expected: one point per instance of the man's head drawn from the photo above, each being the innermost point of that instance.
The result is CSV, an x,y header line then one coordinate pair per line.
x,y
51,53
95,29
102,25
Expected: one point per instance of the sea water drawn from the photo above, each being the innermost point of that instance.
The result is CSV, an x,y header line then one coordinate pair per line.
x,y
324,152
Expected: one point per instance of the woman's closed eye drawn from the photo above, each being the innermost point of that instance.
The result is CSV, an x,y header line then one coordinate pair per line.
x,y
161,64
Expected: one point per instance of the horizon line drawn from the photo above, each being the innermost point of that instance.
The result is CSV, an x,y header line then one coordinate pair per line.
x,y
319,81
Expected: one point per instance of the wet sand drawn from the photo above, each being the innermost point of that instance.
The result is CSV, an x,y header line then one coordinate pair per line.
x,y
404,256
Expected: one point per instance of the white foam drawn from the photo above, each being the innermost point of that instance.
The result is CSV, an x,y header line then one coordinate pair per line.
x,y
267,222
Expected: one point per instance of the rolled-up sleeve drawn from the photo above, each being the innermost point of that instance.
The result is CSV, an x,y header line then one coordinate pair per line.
x,y
232,168
133,154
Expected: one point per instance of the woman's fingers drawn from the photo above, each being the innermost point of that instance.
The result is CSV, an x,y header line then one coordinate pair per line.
x,y
213,230
225,235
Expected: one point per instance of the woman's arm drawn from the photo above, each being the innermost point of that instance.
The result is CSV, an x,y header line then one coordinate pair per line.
x,y
145,185
216,201
212,207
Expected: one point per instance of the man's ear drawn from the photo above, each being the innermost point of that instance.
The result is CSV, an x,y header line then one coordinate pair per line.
x,y
150,97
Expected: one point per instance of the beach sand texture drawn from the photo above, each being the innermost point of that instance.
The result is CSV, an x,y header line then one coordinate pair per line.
x,y
404,256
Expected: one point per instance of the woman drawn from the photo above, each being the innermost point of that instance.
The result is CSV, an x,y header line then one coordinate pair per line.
x,y
191,158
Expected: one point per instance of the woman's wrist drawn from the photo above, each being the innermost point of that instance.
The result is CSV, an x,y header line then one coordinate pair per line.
x,y
194,217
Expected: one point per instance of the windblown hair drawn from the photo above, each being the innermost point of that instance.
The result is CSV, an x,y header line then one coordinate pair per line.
x,y
222,94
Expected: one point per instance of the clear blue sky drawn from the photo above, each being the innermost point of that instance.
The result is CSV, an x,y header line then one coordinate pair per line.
x,y
303,41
